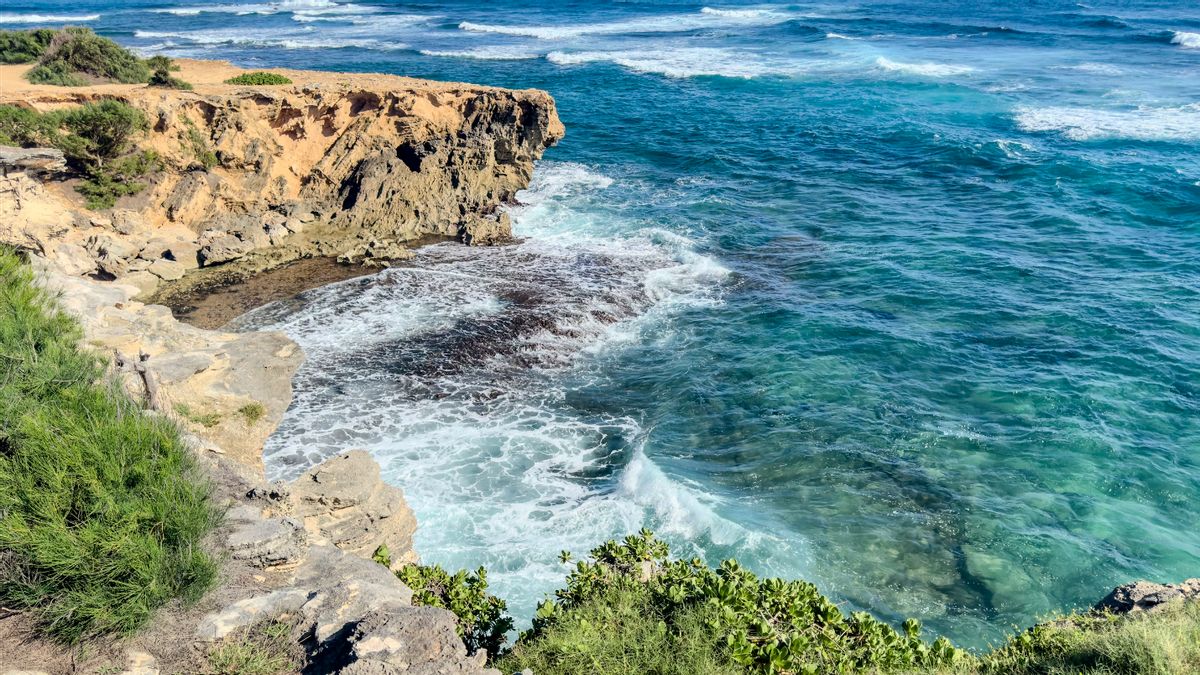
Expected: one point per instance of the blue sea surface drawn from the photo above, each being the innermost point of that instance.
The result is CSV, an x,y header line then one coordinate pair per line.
x,y
900,297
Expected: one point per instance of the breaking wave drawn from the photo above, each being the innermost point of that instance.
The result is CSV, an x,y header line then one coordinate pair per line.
x,y
924,69
680,62
8,17
457,369
661,24
1143,123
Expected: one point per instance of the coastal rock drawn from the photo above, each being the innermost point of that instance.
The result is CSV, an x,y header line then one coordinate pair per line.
x,y
345,589
344,502
249,611
268,543
31,160
355,164
415,640
1146,596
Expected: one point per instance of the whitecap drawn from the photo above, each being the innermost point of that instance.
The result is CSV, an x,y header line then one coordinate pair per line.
x,y
1093,68
265,38
8,17
839,36
924,69
494,53
659,24
678,62
1186,40
1144,123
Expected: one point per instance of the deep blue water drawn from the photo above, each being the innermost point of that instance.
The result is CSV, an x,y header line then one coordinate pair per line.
x,y
901,299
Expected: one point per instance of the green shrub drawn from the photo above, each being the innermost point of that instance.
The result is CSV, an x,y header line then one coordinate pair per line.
x,y
199,146
623,631
58,73
26,127
75,52
258,77
103,186
103,508
161,67
760,625
100,131
482,622
23,46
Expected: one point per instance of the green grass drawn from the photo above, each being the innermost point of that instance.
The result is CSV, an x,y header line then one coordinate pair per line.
x,y
266,648
75,55
103,508
258,77
252,412
207,420
1166,642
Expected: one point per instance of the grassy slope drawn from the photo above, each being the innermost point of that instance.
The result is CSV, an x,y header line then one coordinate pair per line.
x,y
102,508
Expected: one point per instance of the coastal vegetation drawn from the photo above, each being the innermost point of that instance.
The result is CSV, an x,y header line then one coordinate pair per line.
x,y
76,57
103,508
95,140
258,77
630,608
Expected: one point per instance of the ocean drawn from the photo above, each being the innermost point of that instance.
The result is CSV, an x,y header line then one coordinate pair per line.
x,y
901,297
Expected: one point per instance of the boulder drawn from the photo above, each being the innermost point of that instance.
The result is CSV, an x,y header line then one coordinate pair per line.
x,y
269,542
344,588
167,270
31,160
344,502
1146,596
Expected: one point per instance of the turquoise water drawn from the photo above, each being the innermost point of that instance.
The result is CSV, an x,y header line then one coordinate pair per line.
x,y
899,299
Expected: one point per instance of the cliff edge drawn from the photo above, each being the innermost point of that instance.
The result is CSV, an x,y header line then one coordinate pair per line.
x,y
354,166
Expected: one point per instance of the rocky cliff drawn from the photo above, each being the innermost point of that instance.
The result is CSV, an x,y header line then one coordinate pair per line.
x,y
349,165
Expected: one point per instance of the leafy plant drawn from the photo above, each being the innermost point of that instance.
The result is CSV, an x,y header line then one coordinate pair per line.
x,y
100,131
196,142
760,625
25,127
73,53
161,67
24,46
482,622
258,77
103,508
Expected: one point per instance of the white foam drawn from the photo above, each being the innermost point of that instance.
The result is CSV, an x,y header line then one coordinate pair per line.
x,y
658,24
680,509
1186,40
8,17
742,13
1144,123
839,36
495,53
678,62
924,69
263,38
282,6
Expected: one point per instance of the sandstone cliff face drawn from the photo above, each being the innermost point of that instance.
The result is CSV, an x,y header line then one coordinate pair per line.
x,y
345,165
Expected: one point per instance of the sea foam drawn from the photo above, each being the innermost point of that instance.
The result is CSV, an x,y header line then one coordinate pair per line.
x,y
661,24
495,53
1186,40
923,69
1144,123
9,17
677,62
456,371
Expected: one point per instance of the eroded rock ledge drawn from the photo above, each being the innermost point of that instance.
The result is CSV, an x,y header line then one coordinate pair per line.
x,y
353,166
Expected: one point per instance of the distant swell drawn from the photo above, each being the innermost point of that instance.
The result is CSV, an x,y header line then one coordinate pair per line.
x,y
6,17
706,18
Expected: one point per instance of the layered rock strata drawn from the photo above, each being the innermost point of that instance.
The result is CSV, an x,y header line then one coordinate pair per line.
x,y
346,165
